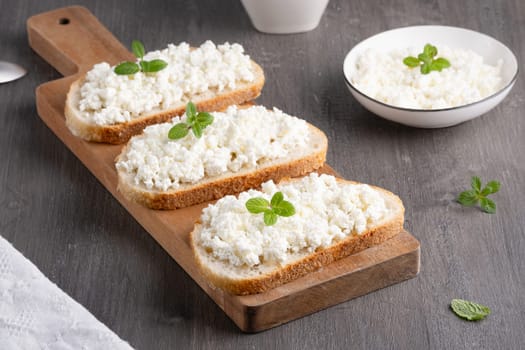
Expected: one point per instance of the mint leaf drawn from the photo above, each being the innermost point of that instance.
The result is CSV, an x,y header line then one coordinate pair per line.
x,y
277,198
284,208
143,66
195,122
411,61
468,198
197,130
137,48
126,68
472,197
154,66
204,119
492,187
270,218
280,206
469,310
191,110
425,60
190,119
440,63
476,184
487,205
178,131
425,68
276,207
257,205
430,50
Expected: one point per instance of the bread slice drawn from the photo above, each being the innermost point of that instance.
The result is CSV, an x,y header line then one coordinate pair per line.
x,y
300,162
121,132
244,280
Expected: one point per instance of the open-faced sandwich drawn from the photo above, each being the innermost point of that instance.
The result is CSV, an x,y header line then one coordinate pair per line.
x,y
262,239
200,157
111,104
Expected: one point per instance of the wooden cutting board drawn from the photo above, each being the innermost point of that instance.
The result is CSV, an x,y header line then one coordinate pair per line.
x,y
72,40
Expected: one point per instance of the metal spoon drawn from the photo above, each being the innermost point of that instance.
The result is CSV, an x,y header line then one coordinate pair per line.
x,y
10,71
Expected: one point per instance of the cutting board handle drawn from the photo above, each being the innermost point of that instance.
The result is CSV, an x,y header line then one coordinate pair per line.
x,y
72,40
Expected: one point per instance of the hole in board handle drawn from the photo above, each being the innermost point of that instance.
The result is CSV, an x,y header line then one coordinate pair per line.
x,y
63,21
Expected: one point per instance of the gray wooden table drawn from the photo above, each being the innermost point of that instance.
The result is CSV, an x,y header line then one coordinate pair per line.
x,y
55,212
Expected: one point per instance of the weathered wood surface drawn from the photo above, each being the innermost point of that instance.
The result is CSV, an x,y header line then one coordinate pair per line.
x,y
61,218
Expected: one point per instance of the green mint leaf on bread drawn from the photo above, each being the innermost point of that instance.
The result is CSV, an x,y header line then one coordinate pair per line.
x,y
257,205
277,198
138,49
195,122
153,66
178,131
191,111
129,68
272,210
204,119
479,195
280,206
426,61
197,130
469,310
270,217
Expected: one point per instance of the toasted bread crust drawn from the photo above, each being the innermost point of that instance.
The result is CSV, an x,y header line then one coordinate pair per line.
x,y
310,263
231,184
122,132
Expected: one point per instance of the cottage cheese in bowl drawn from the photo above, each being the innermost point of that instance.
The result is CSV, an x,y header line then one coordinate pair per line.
x,y
481,74
384,77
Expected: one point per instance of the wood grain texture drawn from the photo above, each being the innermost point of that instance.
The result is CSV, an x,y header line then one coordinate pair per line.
x,y
394,261
60,216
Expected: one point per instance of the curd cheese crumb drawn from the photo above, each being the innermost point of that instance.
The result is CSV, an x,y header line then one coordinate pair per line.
x,y
384,77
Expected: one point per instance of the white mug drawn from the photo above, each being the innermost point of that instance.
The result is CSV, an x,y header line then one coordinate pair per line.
x,y
285,16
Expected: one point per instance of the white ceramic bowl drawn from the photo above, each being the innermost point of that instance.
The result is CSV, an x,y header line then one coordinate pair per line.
x,y
489,48
284,16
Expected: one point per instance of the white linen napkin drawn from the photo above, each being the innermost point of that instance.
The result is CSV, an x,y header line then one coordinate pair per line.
x,y
36,314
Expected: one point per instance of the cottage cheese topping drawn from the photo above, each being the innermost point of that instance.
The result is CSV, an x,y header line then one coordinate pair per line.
x,y
384,77
108,98
325,213
237,139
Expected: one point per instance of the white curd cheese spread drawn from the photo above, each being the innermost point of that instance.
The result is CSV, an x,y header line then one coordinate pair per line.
x,y
107,98
238,139
384,77
326,211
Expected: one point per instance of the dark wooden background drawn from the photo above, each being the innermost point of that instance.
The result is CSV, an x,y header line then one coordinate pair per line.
x,y
56,213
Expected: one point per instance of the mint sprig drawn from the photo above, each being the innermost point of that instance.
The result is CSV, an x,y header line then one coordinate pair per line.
x,y
195,121
469,310
426,61
128,68
272,210
479,195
